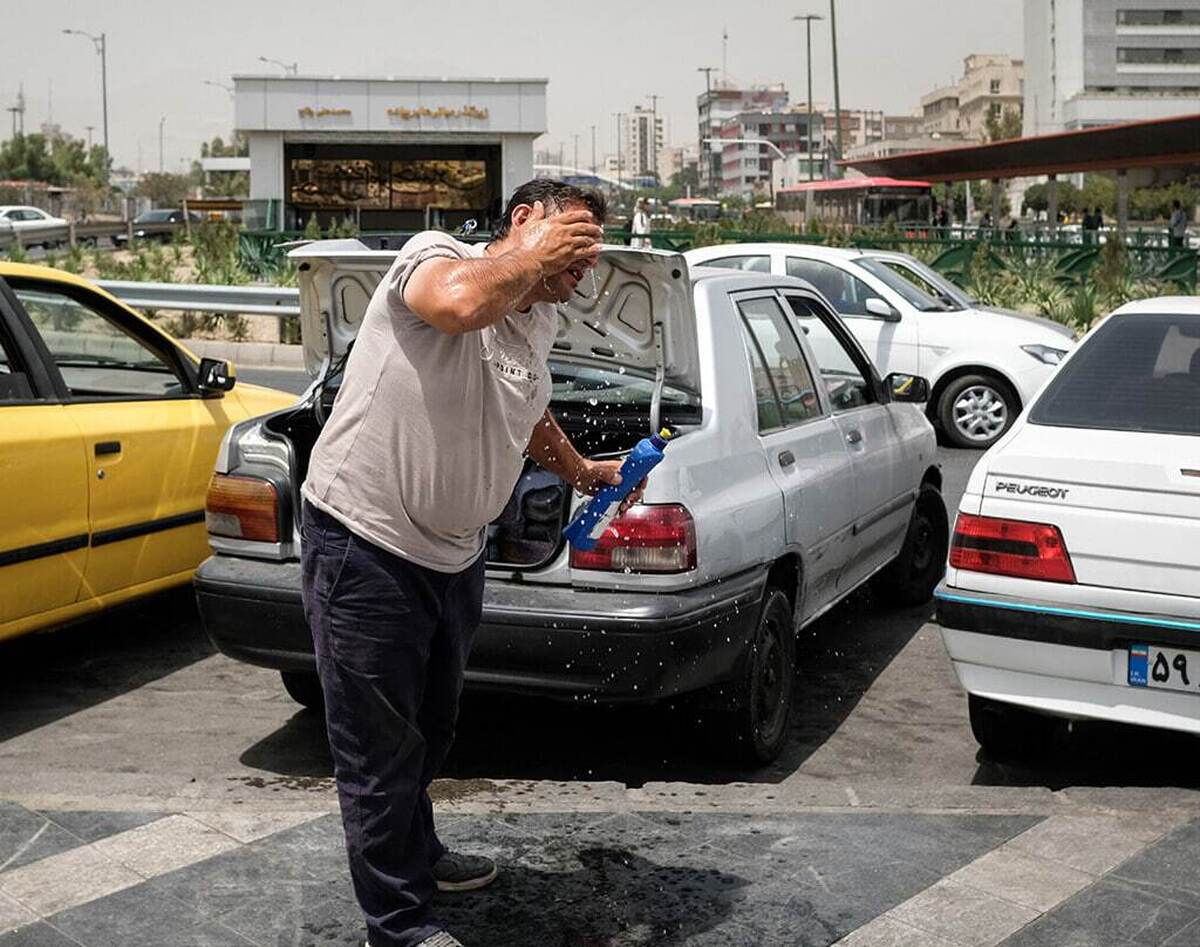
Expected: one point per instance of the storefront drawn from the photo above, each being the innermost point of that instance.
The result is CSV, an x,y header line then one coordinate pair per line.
x,y
388,154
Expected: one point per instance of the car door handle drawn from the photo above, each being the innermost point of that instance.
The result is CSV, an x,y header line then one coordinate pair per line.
x,y
104,448
854,436
786,458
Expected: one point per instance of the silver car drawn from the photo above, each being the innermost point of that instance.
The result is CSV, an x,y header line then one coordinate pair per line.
x,y
798,475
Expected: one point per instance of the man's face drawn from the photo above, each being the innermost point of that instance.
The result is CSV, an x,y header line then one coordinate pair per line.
x,y
560,287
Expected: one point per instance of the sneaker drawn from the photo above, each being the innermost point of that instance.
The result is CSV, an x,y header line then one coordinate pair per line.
x,y
457,872
440,939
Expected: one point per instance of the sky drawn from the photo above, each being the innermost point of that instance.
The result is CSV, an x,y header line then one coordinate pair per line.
x,y
600,59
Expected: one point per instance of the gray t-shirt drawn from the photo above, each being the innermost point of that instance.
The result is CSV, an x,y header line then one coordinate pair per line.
x,y
427,435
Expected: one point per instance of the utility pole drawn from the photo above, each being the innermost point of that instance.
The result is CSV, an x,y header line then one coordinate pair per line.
x,y
654,133
89,131
725,53
289,68
618,116
706,152
101,45
575,162
593,149
837,96
161,122
808,18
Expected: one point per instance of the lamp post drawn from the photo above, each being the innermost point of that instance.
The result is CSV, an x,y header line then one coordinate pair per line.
x,y
837,97
619,116
753,141
808,18
707,157
654,133
593,150
161,122
575,160
101,44
220,85
290,69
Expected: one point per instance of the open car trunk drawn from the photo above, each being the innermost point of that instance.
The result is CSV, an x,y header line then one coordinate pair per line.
x,y
625,362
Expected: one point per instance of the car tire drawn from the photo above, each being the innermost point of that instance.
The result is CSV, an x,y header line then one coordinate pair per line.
x,y
912,576
304,687
975,410
756,723
1008,732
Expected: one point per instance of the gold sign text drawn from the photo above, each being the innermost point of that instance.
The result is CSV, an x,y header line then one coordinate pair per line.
x,y
468,111
309,112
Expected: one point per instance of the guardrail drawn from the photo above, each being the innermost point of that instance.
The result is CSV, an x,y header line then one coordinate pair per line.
x,y
89,232
282,302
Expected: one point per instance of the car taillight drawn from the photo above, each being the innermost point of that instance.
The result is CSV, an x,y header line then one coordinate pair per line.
x,y
1010,547
243,508
644,539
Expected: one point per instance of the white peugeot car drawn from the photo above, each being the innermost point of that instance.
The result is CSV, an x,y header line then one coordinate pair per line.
x,y
1074,581
984,364
34,226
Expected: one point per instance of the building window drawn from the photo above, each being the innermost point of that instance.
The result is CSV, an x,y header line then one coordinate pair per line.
x,y
994,87
1159,57
1173,17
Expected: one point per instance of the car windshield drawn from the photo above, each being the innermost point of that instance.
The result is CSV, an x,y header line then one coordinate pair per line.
x,y
154,217
610,390
1136,373
898,284
929,281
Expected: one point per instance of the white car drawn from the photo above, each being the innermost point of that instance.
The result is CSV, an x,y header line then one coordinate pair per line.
x,y
1074,581
797,476
984,364
32,225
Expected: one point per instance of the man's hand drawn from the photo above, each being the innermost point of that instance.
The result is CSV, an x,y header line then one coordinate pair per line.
x,y
594,475
555,242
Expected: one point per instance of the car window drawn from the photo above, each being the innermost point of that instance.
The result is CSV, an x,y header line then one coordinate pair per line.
x,y
906,289
14,380
841,364
96,357
845,292
1138,372
929,282
784,389
754,264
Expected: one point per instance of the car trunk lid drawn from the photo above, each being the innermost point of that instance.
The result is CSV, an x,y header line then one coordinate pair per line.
x,y
1128,503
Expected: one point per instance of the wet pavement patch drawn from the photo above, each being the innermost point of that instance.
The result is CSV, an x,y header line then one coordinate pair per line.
x,y
577,879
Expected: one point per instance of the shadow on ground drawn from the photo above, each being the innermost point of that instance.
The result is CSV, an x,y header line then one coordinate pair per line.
x,y
45,677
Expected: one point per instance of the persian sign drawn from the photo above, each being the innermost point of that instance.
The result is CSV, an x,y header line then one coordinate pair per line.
x,y
309,112
468,111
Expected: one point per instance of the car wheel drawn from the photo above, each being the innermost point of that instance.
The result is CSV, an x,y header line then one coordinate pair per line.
x,y
975,410
304,687
913,575
757,722
1008,732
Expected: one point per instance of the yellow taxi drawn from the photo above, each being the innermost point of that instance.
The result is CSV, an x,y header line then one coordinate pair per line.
x,y
108,433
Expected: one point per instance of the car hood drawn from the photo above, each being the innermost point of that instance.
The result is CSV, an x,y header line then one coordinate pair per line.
x,y
1023,317
639,317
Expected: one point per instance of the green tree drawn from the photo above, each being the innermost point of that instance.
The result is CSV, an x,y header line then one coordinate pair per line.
x,y
1006,125
164,189
56,158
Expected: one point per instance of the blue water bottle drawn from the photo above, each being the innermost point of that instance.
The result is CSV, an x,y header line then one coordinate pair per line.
x,y
589,525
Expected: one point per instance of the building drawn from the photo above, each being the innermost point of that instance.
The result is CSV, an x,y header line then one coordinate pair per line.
x,y
392,154
903,126
1100,62
991,85
859,126
721,103
677,161
642,142
887,147
745,167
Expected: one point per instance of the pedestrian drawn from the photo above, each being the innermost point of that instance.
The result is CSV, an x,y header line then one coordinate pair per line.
x,y
444,394
1089,226
1177,225
641,225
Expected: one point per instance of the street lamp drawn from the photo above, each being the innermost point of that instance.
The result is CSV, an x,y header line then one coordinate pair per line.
x,y
101,44
161,122
808,18
290,69
752,141
837,96
220,85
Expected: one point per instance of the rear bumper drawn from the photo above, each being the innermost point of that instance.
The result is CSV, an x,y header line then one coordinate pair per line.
x,y
550,640
1066,661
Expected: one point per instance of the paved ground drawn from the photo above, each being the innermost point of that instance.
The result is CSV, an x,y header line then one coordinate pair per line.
x,y
161,794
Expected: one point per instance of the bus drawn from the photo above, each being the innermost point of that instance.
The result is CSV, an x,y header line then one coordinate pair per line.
x,y
853,202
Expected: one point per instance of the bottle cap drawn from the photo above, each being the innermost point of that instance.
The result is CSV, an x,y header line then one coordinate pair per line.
x,y
666,434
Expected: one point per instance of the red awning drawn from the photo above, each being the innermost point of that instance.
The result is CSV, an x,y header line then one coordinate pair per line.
x,y
845,184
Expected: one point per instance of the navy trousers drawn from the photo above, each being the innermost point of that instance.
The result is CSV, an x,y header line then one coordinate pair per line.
x,y
391,640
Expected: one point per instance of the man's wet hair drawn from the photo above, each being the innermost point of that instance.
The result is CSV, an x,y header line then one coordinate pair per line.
x,y
555,196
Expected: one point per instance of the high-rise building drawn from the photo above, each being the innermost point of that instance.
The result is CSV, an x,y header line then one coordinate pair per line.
x,y
721,103
746,168
642,142
1099,62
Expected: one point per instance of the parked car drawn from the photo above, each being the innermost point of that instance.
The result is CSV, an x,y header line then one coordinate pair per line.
x,y
33,226
160,225
1074,582
797,476
984,364
108,433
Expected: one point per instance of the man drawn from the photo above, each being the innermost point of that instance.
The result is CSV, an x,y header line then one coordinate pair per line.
x,y
445,392
1177,225
640,225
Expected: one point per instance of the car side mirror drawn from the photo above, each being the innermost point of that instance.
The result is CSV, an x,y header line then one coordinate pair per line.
x,y
215,375
877,307
911,389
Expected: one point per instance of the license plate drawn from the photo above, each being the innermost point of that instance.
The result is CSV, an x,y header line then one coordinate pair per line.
x,y
1164,668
